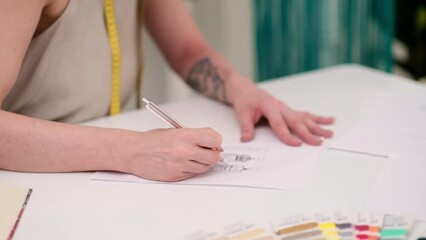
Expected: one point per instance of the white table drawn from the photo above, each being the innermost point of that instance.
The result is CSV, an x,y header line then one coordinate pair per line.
x,y
70,206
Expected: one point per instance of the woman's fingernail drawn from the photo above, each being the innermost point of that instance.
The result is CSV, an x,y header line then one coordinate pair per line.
x,y
245,135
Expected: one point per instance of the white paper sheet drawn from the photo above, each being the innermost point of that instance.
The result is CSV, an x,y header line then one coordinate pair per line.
x,y
263,163
396,125
400,188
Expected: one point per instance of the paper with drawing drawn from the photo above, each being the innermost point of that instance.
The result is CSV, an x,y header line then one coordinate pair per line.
x,y
265,162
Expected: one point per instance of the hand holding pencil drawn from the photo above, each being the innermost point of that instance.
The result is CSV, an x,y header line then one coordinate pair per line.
x,y
170,120
171,154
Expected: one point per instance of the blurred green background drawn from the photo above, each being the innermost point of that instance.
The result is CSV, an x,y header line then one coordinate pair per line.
x,y
293,36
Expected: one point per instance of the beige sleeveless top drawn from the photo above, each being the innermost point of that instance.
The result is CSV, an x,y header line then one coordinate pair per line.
x,y
66,73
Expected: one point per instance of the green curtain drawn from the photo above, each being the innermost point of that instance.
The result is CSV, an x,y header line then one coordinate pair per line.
x,y
293,36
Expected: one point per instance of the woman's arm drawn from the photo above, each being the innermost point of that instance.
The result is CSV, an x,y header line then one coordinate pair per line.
x,y
205,70
34,145
28,144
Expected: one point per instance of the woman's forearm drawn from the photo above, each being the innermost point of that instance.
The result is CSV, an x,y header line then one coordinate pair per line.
x,y
34,145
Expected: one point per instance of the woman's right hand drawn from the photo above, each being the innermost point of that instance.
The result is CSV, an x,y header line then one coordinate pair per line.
x,y
171,154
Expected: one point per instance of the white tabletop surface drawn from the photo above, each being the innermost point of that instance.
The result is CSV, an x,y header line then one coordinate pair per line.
x,y
71,206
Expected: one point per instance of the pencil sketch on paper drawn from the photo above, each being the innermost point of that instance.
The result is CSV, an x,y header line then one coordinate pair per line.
x,y
250,165
240,157
231,168
246,149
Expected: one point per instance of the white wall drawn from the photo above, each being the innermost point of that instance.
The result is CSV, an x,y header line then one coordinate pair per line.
x,y
228,27
226,24
160,83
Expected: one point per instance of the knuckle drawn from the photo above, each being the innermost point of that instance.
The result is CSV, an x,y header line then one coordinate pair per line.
x,y
272,100
284,132
185,134
317,129
212,158
170,166
296,122
276,122
180,152
209,129
311,116
219,139
305,114
203,168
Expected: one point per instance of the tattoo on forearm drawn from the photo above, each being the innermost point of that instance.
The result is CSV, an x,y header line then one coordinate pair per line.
x,y
204,78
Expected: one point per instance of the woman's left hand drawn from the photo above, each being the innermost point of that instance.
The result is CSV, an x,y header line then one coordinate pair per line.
x,y
290,125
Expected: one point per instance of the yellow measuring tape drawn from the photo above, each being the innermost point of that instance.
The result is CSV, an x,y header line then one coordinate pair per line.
x,y
115,56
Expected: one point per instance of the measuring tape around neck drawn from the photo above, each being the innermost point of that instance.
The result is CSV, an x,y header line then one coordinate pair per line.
x,y
115,56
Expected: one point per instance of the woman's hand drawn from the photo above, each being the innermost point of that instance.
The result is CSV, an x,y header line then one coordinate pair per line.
x,y
172,154
291,126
